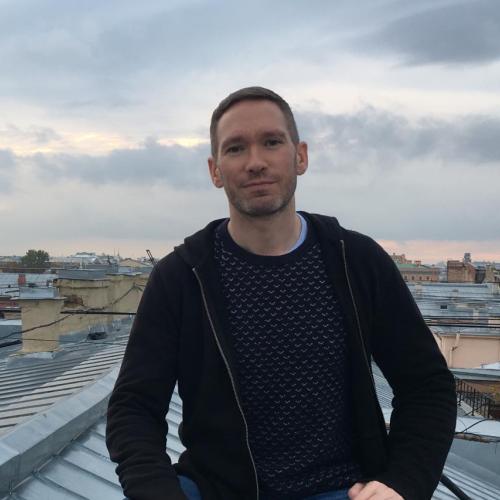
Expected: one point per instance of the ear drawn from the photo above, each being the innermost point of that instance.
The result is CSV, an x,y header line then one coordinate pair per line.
x,y
215,173
302,160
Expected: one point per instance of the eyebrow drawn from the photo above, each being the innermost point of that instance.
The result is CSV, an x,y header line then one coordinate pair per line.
x,y
230,140
241,138
275,133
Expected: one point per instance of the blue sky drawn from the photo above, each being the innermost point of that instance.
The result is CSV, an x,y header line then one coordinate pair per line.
x,y
105,109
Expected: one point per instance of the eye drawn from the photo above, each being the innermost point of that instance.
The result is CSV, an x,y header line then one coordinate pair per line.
x,y
234,149
273,142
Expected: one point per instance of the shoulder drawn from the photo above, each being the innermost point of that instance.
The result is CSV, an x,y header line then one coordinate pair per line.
x,y
170,271
357,245
169,262
363,246
367,257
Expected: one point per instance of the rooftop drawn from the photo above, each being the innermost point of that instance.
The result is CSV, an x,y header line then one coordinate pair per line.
x,y
407,266
29,385
52,428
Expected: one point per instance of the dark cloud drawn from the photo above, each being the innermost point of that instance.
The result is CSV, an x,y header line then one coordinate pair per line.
x,y
101,54
367,139
385,140
153,162
106,57
477,140
110,54
397,178
457,33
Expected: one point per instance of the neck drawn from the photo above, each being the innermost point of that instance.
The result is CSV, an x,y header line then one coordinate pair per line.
x,y
268,235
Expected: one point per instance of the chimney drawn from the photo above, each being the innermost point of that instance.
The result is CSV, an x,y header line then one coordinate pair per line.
x,y
21,279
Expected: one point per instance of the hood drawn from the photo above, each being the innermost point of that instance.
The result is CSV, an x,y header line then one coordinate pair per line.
x,y
199,246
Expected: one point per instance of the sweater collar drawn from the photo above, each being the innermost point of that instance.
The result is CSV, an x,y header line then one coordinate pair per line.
x,y
198,247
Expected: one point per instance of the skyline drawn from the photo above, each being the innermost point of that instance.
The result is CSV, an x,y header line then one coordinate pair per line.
x,y
106,107
426,251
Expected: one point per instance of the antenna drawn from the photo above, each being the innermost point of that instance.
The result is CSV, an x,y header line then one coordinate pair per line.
x,y
151,258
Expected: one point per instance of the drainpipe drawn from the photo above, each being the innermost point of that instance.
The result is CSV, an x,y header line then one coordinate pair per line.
x,y
453,347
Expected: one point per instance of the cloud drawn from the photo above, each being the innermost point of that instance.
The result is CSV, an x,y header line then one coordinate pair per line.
x,y
423,200
7,160
381,173
399,178
364,143
175,165
457,33
7,164
385,140
71,215
37,135
104,54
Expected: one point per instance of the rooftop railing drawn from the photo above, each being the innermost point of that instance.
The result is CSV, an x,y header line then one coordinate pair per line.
x,y
480,403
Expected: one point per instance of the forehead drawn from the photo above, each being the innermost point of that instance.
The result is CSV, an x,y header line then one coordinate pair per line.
x,y
251,116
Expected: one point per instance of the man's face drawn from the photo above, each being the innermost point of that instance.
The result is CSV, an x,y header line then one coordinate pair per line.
x,y
257,163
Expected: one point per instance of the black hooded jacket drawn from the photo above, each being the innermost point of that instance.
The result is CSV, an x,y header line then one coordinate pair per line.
x,y
178,336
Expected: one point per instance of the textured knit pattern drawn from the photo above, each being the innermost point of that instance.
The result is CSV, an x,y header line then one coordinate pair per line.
x,y
290,348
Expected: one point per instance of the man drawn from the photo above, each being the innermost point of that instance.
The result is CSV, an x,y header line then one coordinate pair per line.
x,y
268,322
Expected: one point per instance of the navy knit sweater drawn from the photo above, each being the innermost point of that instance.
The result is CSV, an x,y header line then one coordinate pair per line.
x,y
290,348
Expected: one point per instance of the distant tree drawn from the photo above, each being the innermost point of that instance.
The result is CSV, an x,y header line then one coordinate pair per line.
x,y
35,261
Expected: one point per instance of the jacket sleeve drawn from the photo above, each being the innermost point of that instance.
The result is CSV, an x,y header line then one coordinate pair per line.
x,y
136,423
424,405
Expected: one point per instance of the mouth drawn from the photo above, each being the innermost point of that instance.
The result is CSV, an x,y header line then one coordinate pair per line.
x,y
258,184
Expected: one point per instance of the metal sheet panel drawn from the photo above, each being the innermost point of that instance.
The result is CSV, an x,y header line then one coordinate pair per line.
x,y
83,469
30,385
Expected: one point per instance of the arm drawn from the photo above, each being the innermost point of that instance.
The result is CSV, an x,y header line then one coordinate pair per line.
x,y
424,404
136,426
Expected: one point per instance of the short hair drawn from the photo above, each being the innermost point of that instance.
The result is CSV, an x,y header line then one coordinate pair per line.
x,y
251,94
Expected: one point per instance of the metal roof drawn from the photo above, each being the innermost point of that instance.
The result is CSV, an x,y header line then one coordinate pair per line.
x,y
417,267
478,482
29,384
10,280
460,291
8,329
83,469
492,374
80,467
477,489
460,300
491,366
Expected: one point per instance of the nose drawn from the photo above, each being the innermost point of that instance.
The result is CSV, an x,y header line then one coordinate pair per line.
x,y
256,163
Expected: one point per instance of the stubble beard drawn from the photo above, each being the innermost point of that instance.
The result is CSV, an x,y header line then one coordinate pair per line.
x,y
258,208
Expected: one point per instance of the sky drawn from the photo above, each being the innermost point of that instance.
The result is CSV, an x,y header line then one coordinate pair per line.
x,y
105,109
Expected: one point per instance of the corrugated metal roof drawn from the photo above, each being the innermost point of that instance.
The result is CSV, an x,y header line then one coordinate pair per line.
x,y
480,302
476,489
83,468
29,385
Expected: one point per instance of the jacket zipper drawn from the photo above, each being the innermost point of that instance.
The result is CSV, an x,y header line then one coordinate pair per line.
x,y
360,334
230,377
